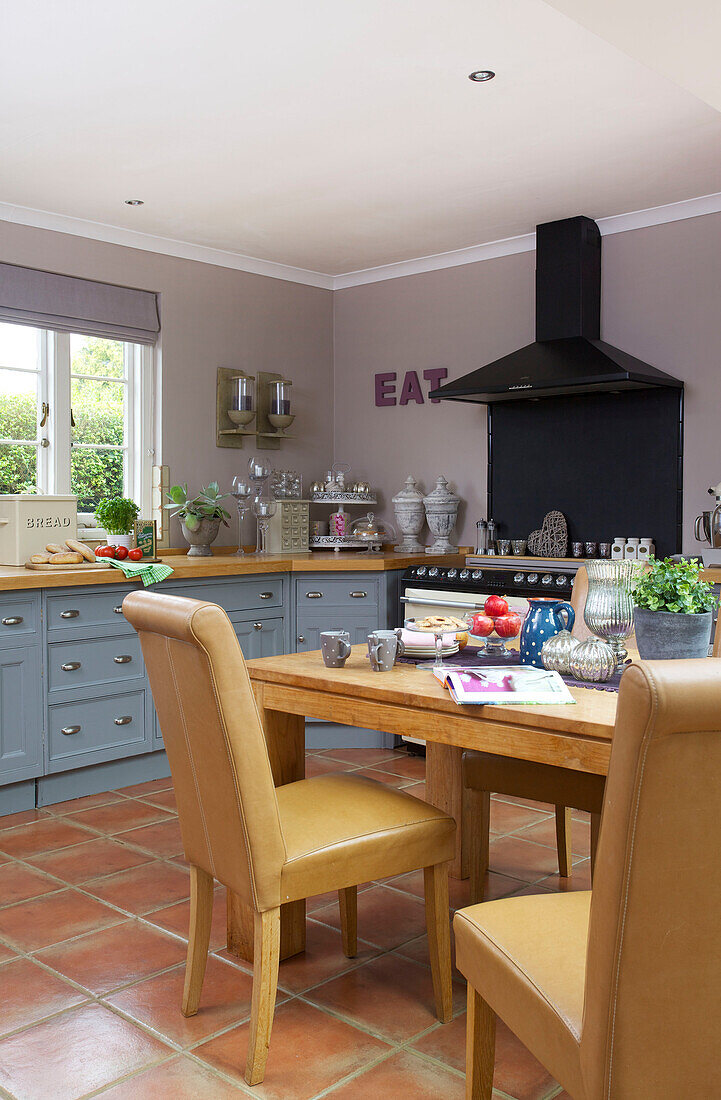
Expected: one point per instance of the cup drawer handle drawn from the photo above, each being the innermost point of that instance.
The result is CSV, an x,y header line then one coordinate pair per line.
x,y
70,614
358,595
70,730
124,721
70,666
266,595
12,620
314,595
123,659
117,610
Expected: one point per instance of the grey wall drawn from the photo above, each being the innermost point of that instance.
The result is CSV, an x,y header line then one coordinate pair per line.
x,y
211,317
661,302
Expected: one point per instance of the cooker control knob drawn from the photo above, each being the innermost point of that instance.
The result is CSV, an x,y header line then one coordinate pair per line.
x,y
561,581
533,578
464,574
433,571
476,574
518,578
546,579
452,573
421,571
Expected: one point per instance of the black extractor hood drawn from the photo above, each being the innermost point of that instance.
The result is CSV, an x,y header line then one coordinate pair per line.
x,y
567,357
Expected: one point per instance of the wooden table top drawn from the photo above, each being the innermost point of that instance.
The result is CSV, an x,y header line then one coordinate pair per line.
x,y
593,714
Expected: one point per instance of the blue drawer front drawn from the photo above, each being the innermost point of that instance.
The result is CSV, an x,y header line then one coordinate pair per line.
x,y
85,611
19,619
95,730
256,593
357,592
98,661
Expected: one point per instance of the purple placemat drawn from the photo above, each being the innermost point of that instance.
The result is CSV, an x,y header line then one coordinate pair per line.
x,y
469,656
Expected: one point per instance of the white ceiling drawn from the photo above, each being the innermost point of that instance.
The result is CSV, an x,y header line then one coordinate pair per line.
x,y
337,135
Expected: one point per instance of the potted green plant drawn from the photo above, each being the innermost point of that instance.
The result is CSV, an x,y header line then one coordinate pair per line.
x,y
674,610
200,516
117,515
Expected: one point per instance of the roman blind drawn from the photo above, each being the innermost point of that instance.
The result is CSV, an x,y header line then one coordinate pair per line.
x,y
62,302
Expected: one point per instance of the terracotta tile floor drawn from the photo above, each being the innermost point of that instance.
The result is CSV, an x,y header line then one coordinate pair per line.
x,y
93,921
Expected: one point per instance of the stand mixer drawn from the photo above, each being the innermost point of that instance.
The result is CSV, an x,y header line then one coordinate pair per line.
x,y
708,525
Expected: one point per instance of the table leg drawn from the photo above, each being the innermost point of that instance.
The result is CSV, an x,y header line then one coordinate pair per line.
x,y
444,789
285,737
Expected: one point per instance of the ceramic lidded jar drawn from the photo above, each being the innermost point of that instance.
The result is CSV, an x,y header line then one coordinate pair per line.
x,y
410,517
557,651
441,512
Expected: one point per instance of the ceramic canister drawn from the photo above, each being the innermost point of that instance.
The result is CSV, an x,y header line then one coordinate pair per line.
x,y
545,618
338,523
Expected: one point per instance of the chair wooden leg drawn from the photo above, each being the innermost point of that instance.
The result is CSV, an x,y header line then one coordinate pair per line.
x,y
480,802
266,956
201,916
595,830
348,904
480,1047
438,927
563,840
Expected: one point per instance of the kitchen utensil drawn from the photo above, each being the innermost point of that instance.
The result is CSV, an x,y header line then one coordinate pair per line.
x,y
504,547
556,652
715,517
577,549
372,531
518,546
702,527
335,647
592,661
485,536
384,649
544,619
438,632
609,604
591,549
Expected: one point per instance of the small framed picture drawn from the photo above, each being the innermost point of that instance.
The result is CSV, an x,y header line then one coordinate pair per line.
x,y
146,534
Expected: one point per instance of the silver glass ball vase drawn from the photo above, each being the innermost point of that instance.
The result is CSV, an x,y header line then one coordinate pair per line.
x,y
557,652
593,661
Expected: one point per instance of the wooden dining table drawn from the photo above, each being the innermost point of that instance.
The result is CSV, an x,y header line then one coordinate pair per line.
x,y
410,700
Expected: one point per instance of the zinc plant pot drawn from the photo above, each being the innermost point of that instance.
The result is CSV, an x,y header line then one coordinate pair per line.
x,y
665,635
201,539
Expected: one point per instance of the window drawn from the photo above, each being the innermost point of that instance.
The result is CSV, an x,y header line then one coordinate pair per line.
x,y
75,415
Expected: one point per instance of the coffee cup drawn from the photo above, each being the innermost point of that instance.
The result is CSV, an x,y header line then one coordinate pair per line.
x,y
384,648
335,647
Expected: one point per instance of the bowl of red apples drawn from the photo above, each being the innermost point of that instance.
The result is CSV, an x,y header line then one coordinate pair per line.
x,y
497,623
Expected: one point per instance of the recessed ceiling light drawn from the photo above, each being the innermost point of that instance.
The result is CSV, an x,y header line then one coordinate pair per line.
x,y
481,74
134,202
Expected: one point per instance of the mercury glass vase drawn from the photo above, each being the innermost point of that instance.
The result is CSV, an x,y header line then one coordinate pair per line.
x,y
609,604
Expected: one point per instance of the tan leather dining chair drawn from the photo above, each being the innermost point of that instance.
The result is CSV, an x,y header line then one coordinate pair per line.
x,y
566,789
271,845
616,991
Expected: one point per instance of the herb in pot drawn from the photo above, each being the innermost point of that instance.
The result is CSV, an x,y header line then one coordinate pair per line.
x,y
117,515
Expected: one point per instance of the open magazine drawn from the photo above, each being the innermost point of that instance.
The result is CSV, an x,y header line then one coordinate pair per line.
x,y
493,684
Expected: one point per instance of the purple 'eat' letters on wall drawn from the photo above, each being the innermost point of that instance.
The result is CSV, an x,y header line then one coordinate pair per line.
x,y
385,386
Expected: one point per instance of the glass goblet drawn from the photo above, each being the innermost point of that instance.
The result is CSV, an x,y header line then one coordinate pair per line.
x,y
264,511
242,490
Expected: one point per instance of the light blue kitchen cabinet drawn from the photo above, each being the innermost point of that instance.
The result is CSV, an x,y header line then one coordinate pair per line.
x,y
21,714
92,731
260,637
358,626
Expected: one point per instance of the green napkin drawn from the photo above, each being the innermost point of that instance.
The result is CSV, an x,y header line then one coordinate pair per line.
x,y
149,572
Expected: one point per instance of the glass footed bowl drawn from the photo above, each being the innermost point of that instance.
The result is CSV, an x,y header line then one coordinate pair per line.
x,y
438,633
495,640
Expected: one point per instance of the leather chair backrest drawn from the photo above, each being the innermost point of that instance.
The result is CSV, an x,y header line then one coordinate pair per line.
x,y
652,1025
215,744
579,592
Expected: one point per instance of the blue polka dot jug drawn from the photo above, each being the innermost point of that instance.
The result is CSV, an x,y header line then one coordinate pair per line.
x,y
545,618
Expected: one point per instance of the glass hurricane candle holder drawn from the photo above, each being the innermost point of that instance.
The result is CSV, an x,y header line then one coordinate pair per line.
x,y
609,604
242,407
279,415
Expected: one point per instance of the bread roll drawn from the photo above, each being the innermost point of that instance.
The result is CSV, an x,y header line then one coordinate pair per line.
x,y
55,548
80,548
40,559
68,557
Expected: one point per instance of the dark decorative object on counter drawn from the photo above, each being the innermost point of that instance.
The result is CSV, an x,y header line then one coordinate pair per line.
x,y
674,611
552,539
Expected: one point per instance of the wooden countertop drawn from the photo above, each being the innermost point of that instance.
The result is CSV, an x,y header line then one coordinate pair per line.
x,y
227,565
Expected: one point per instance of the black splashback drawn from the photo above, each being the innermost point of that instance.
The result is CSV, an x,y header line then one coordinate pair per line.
x,y
612,463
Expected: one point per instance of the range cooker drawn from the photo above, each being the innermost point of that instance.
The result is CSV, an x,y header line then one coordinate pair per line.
x,y
467,586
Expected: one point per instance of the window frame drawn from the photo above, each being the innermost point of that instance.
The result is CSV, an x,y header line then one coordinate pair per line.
x,y
54,387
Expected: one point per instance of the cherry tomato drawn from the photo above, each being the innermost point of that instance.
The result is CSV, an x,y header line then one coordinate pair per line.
x,y
495,605
121,553
136,554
